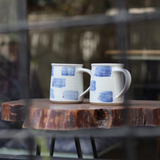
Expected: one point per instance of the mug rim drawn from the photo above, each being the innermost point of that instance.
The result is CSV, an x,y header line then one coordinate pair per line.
x,y
65,64
107,64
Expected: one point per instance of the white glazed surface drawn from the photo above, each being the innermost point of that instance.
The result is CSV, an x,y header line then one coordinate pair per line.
x,y
106,88
72,86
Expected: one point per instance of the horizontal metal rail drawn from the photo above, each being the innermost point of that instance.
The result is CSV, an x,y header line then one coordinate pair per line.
x,y
26,157
121,132
78,21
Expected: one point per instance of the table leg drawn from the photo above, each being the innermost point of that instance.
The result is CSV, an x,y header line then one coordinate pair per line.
x,y
38,150
78,147
94,147
52,146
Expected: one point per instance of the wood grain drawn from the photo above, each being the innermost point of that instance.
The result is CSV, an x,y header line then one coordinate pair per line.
x,y
43,114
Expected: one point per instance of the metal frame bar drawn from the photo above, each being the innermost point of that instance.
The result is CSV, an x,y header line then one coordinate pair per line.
x,y
25,157
79,21
121,132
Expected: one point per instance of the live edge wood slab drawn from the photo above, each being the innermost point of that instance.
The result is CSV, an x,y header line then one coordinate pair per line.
x,y
46,115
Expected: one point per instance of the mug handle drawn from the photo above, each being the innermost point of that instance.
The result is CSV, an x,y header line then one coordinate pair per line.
x,y
128,79
89,72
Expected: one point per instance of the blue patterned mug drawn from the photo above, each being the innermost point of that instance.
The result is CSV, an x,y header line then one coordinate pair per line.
x,y
66,85
109,82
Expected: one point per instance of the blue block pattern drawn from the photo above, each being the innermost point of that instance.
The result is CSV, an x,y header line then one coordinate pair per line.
x,y
104,71
52,72
105,96
93,85
70,95
68,71
51,93
59,82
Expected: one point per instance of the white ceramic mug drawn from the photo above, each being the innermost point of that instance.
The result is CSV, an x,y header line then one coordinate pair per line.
x,y
109,82
66,85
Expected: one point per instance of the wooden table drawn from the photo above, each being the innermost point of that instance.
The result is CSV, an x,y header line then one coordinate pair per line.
x,y
46,115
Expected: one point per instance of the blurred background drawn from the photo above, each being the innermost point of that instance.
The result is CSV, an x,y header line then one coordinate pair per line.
x,y
82,44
